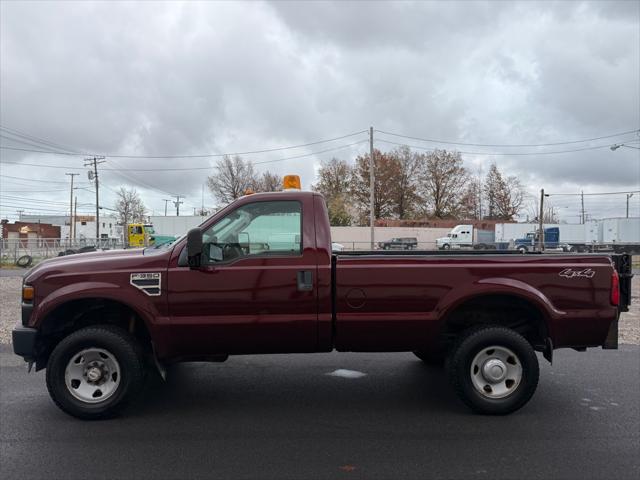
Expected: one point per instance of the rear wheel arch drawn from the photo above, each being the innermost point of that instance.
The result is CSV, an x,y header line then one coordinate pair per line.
x,y
510,310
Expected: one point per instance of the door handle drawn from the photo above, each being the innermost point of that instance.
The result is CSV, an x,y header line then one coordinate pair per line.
x,y
305,281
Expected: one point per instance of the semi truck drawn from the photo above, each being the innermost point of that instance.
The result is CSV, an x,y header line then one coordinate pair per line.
x,y
259,277
465,237
605,235
532,241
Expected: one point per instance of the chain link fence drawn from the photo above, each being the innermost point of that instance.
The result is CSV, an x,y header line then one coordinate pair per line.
x,y
12,250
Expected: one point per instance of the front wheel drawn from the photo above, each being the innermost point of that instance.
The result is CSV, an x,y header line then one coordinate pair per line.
x,y
494,370
95,372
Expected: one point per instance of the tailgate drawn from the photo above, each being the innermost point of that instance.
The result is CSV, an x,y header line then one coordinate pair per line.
x,y
622,264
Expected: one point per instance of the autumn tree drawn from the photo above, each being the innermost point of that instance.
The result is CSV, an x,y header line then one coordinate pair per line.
x,y
333,183
408,165
232,178
386,171
505,195
129,206
443,180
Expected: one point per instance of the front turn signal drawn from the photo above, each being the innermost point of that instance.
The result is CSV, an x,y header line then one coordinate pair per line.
x,y
27,293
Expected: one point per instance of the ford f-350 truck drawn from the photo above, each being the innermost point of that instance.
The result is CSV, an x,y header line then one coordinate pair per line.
x,y
260,277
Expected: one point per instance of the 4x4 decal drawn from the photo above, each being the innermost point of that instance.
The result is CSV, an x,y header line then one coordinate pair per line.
x,y
571,273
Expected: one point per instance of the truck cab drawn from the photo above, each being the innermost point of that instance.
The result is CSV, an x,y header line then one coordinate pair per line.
x,y
140,235
551,241
460,236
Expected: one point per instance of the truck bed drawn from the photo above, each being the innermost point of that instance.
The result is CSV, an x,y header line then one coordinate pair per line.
x,y
404,299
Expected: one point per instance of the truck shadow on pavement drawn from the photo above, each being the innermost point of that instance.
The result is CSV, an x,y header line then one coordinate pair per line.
x,y
250,384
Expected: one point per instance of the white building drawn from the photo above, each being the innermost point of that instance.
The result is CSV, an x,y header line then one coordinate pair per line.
x,y
85,226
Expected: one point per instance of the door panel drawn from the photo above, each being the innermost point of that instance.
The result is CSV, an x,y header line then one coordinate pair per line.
x,y
252,300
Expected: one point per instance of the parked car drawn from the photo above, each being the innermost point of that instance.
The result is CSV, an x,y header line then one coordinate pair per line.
x,y
402,243
260,277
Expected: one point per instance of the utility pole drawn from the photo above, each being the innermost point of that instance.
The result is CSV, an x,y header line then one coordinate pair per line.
x,y
372,180
177,203
541,222
165,205
88,162
582,200
629,195
202,204
71,206
75,215
20,214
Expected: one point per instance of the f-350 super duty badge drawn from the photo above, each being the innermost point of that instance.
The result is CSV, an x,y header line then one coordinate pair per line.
x,y
571,273
149,283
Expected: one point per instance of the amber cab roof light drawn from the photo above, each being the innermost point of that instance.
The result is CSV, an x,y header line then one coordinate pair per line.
x,y
291,182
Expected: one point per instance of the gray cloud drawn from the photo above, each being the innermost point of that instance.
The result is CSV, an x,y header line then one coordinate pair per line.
x,y
185,78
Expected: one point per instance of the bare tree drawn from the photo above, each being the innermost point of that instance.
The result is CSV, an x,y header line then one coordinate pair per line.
x,y
471,201
232,178
505,196
333,183
268,182
129,206
442,182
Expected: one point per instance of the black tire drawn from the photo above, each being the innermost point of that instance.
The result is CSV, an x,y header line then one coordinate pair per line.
x,y
118,343
24,261
446,246
472,344
522,249
431,358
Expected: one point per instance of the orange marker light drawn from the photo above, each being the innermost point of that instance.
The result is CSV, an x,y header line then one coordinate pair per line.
x,y
291,182
27,293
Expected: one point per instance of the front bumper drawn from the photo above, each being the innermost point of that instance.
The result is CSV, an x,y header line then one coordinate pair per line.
x,y
24,342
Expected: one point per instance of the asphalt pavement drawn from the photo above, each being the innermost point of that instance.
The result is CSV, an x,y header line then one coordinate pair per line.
x,y
282,416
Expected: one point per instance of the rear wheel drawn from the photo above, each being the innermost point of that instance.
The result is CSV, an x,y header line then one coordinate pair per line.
x,y
494,370
446,246
95,372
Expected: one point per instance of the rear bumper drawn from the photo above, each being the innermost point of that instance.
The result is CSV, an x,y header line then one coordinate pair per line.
x,y
24,342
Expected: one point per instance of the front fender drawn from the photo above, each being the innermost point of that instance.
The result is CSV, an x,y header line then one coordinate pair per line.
x,y
144,307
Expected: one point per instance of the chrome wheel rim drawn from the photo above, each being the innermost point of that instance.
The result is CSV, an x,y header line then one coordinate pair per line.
x,y
496,372
92,375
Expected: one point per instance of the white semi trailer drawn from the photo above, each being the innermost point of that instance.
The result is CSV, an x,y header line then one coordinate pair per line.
x,y
466,236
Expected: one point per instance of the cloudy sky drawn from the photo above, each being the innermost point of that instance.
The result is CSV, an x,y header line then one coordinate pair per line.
x,y
163,79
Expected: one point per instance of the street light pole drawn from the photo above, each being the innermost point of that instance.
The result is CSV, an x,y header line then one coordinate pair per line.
x,y
629,195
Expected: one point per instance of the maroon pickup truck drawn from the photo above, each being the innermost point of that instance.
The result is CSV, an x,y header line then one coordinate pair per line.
x,y
260,277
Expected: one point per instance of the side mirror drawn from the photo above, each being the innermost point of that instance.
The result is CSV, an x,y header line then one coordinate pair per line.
x,y
194,248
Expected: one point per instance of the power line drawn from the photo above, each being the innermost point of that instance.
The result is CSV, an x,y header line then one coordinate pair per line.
x,y
187,168
201,155
41,140
512,144
430,149
591,194
36,180
24,142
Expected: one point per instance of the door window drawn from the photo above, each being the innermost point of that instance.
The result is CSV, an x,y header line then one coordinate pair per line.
x,y
260,228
